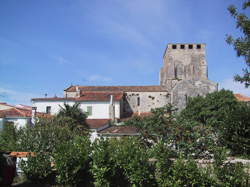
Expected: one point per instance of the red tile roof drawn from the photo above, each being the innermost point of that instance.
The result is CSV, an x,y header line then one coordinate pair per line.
x,y
14,112
243,98
97,123
86,96
19,112
22,154
153,88
118,130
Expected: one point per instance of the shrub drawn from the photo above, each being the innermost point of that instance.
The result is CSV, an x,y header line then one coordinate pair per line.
x,y
121,162
232,174
37,168
8,137
163,163
187,173
72,160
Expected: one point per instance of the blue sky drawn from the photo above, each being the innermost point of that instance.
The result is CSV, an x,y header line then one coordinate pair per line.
x,y
47,45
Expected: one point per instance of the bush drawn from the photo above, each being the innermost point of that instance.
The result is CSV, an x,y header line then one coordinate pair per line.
x,y
8,137
232,174
187,173
71,165
37,168
163,163
121,162
44,139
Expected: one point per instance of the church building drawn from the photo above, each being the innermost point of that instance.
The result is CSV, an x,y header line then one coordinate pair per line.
x,y
184,74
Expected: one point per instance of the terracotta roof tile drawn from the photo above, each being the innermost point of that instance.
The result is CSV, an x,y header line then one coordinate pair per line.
x,y
86,96
240,97
154,88
15,112
120,130
19,112
22,154
97,123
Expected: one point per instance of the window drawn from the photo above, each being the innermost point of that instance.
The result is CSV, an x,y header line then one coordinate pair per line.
x,y
198,46
186,98
173,46
190,46
89,110
175,72
138,101
48,109
182,46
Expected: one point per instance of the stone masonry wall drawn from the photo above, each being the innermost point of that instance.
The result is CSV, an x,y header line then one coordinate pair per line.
x,y
144,101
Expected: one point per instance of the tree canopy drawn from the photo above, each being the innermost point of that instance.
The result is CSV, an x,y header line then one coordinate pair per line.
x,y
242,43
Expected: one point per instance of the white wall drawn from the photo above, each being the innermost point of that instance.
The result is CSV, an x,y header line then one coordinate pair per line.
x,y
100,109
19,122
1,123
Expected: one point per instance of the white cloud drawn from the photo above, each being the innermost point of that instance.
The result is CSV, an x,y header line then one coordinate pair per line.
x,y
236,87
16,97
97,78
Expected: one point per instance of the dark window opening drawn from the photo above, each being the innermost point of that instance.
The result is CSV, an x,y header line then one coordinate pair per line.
x,y
174,46
138,101
48,109
186,98
182,46
190,46
198,46
175,72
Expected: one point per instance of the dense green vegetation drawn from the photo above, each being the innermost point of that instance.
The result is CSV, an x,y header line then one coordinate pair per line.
x,y
164,154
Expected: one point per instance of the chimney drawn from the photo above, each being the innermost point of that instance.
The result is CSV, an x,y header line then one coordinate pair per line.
x,y
77,91
112,108
33,115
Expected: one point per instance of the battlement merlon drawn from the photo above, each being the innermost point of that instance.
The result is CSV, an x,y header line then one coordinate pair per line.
x,y
185,47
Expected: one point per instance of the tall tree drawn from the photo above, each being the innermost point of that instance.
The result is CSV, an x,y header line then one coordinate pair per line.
x,y
242,43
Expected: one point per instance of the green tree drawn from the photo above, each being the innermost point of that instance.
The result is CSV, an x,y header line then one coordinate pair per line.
x,y
229,118
212,109
72,165
75,113
242,43
8,137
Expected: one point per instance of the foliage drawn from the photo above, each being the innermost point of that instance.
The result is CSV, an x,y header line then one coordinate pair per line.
x,y
228,174
72,163
193,140
38,167
8,137
187,173
242,43
210,110
155,127
119,162
75,113
236,131
44,136
229,118
44,139
179,134
163,163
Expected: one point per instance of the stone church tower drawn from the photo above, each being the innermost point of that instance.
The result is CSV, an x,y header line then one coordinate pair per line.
x,y
184,73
